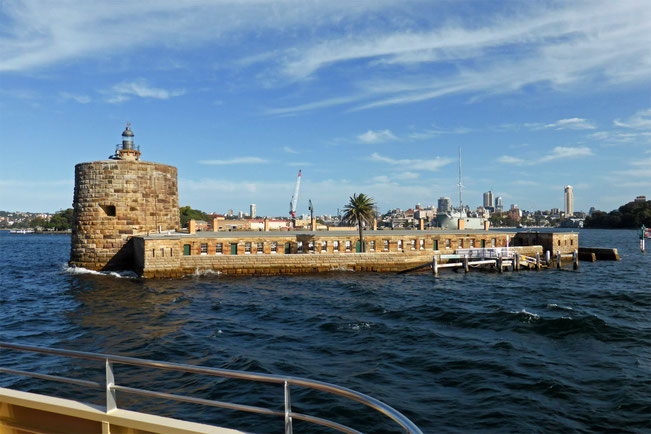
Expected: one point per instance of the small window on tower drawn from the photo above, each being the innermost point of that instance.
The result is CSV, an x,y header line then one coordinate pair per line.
x,y
109,210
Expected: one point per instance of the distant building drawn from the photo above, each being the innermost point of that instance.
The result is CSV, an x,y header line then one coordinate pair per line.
x,y
230,213
252,210
498,204
488,199
514,206
444,204
640,199
592,210
569,201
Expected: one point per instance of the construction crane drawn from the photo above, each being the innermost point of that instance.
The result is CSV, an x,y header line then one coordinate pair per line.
x,y
292,204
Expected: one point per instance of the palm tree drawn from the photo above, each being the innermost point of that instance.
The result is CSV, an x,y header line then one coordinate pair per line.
x,y
360,210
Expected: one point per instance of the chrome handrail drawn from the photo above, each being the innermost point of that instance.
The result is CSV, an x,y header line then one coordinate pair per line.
x,y
286,381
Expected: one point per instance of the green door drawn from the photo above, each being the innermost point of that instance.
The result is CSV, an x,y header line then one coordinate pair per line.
x,y
436,244
233,248
358,247
288,248
186,249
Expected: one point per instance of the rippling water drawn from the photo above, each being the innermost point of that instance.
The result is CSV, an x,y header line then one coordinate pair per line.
x,y
545,351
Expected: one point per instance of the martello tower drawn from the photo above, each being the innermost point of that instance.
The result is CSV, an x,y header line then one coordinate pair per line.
x,y
116,199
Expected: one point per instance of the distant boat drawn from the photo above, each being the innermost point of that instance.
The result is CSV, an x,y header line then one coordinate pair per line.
x,y
21,231
450,219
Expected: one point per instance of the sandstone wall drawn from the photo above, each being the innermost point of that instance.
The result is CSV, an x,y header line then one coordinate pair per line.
x,y
169,258
115,200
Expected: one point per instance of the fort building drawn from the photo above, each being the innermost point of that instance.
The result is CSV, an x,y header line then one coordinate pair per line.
x,y
117,199
126,216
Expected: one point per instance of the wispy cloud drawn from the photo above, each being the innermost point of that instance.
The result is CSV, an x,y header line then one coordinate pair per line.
x,y
570,124
640,120
561,152
241,160
507,159
289,150
412,164
140,88
81,99
380,136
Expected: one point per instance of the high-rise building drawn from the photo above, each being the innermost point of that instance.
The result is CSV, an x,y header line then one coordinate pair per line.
x,y
569,201
444,204
488,199
252,210
498,204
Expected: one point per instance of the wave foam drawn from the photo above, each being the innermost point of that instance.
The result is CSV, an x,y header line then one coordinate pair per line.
x,y
125,274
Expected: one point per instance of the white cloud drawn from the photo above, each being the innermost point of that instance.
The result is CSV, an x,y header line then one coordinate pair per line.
x,y
561,152
125,90
379,136
640,120
81,99
241,160
418,164
571,124
289,150
507,159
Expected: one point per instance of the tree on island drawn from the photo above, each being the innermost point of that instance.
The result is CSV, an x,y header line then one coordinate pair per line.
x,y
630,216
187,214
60,221
359,210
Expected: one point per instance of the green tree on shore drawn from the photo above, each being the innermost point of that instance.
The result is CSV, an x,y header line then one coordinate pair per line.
x,y
629,216
359,210
188,214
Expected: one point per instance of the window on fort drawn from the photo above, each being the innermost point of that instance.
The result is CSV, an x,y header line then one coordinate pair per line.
x,y
162,251
348,245
399,244
335,246
220,248
109,210
371,245
310,246
571,242
493,242
461,244
472,243
247,248
274,247
299,247
260,248
421,244
559,242
385,244
435,244
324,246
413,244
204,248
448,243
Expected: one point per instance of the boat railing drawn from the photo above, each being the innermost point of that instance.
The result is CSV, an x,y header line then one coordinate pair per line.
x,y
111,386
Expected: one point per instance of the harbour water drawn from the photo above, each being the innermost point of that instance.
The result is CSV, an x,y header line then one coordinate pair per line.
x,y
549,351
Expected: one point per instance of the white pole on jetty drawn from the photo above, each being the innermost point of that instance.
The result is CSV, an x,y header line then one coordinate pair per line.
x,y
548,257
435,266
642,244
465,263
499,264
516,262
558,259
575,259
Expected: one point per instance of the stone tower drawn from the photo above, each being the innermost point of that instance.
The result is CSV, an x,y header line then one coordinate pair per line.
x,y
116,199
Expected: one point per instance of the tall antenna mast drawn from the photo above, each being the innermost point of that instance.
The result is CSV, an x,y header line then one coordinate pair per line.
x,y
460,185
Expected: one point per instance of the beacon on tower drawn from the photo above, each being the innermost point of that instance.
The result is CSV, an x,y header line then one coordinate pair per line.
x,y
128,150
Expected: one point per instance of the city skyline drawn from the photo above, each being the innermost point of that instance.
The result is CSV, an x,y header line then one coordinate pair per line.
x,y
375,97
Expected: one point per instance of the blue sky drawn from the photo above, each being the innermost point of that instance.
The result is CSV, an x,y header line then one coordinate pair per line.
x,y
363,96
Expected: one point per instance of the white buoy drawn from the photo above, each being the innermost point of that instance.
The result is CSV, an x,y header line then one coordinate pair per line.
x,y
642,244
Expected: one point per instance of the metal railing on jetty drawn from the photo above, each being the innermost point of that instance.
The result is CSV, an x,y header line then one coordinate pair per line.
x,y
500,259
111,387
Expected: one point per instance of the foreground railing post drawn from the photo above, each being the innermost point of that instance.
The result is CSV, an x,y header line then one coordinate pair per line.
x,y
288,410
111,403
